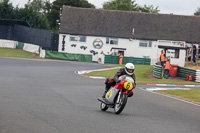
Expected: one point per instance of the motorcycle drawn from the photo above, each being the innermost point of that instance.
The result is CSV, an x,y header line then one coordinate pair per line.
x,y
117,95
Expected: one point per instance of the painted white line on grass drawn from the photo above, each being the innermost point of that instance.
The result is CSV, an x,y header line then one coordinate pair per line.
x,y
93,77
97,77
171,97
88,71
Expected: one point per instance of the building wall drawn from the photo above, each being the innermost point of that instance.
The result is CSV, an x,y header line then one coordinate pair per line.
x,y
179,61
131,45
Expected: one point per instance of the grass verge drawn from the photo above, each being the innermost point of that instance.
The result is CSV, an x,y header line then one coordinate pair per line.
x,y
18,53
188,95
143,75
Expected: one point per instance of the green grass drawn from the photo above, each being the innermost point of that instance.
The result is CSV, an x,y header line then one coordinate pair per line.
x,y
189,95
18,53
143,75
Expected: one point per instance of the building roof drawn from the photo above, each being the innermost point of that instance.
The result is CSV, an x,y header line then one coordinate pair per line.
x,y
170,47
117,48
128,24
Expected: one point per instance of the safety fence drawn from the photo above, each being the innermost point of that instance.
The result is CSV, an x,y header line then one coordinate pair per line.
x,y
157,71
109,59
16,31
45,53
68,56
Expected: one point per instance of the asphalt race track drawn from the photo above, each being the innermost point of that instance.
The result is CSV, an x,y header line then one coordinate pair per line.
x,y
48,97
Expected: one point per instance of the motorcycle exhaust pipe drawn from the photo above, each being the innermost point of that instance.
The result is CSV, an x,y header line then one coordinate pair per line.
x,y
103,101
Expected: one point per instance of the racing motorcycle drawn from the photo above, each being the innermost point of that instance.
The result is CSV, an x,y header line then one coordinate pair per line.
x,y
117,95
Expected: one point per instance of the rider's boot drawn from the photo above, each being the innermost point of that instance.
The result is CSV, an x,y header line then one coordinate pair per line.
x,y
107,86
106,90
130,94
104,94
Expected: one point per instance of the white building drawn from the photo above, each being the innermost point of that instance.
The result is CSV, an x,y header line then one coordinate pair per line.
x,y
95,31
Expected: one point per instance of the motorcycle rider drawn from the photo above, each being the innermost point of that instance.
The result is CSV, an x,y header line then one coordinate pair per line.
x,y
128,70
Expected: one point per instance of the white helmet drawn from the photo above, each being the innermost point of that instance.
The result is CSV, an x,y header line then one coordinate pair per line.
x,y
129,68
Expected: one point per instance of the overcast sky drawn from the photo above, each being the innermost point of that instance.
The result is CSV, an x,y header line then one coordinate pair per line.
x,y
180,7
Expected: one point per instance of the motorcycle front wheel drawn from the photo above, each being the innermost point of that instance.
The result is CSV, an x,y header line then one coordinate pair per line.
x,y
103,107
120,103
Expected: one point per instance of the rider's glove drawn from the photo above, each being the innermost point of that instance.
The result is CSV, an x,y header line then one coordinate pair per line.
x,y
118,81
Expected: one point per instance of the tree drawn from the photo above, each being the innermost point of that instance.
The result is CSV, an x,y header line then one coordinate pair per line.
x,y
128,5
149,9
41,6
29,14
197,12
54,13
7,10
34,18
37,10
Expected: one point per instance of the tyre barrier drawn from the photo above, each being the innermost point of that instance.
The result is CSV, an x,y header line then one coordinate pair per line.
x,y
182,72
197,79
157,71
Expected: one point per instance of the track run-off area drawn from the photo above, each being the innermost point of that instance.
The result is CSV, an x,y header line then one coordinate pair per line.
x,y
46,96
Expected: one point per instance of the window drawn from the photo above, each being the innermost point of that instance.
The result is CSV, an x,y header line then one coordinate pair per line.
x,y
172,53
144,43
111,41
78,38
82,38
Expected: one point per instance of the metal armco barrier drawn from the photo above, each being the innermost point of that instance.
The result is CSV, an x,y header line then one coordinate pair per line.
x,y
157,71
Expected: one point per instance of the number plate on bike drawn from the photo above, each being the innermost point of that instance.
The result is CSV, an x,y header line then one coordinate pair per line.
x,y
128,85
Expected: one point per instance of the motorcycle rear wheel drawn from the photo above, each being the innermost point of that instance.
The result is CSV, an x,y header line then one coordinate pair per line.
x,y
118,108
103,107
